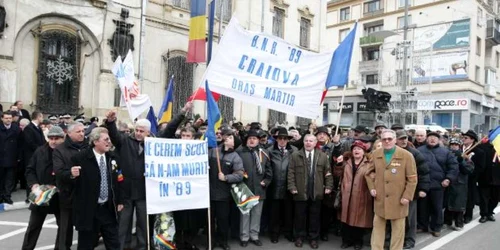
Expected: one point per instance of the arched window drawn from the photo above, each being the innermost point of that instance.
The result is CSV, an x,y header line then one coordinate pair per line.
x,y
58,77
183,80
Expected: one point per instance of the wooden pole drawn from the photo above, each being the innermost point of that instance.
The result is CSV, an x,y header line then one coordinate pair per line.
x,y
340,111
147,229
209,228
466,152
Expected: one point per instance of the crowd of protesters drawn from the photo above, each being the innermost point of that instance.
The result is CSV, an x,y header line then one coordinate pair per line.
x,y
382,183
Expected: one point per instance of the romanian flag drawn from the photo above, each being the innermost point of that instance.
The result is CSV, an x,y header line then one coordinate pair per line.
x,y
197,29
494,138
166,108
338,74
201,95
214,118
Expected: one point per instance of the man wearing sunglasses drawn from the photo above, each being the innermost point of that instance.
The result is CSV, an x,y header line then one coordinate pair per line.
x,y
393,188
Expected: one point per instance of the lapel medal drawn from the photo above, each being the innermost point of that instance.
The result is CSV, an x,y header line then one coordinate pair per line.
x,y
393,171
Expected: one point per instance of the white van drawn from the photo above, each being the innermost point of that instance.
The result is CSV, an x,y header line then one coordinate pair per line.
x,y
433,128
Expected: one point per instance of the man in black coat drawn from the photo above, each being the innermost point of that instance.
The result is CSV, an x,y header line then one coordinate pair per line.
x,y
32,139
130,149
96,200
281,199
74,143
40,171
469,139
9,156
23,113
489,183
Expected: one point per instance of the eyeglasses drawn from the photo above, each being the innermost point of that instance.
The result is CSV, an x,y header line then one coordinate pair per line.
x,y
387,139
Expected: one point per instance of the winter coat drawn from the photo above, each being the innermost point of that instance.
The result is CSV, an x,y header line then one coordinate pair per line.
x,y
87,188
357,203
442,164
422,171
32,139
393,181
231,166
254,177
9,145
40,171
456,193
479,160
298,176
490,174
279,163
61,157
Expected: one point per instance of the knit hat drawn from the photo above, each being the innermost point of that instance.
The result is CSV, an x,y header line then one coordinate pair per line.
x,y
358,144
55,131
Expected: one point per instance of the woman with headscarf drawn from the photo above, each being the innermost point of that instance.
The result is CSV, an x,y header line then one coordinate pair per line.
x,y
357,204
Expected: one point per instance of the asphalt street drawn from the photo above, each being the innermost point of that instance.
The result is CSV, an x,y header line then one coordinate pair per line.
x,y
474,236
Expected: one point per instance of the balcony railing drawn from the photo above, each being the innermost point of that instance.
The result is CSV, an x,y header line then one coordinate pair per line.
x,y
370,40
492,34
373,13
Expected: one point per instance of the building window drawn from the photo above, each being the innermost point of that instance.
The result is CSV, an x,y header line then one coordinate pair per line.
x,y
305,31
279,22
478,73
58,84
372,79
497,58
479,16
401,3
117,97
183,4
227,9
373,28
183,80
345,14
401,21
478,46
372,54
343,33
372,6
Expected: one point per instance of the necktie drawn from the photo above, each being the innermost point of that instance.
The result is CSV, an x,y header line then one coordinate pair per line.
x,y
257,161
309,165
282,151
103,192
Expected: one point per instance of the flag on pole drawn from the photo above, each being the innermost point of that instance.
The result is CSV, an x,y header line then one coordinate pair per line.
x,y
152,118
135,102
166,107
341,62
494,138
197,29
214,118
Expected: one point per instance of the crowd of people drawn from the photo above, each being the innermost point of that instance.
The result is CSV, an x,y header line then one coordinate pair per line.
x,y
382,183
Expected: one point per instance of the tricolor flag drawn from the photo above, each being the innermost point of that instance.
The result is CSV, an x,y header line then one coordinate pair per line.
x,y
166,107
341,62
214,118
197,29
494,138
152,118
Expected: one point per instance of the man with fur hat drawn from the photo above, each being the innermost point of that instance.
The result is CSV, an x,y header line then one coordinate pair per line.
x,y
259,174
281,200
477,156
443,167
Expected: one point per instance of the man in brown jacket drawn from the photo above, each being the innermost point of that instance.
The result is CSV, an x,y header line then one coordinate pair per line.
x,y
309,177
393,189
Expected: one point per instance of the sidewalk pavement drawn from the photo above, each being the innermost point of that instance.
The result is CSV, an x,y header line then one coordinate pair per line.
x,y
18,197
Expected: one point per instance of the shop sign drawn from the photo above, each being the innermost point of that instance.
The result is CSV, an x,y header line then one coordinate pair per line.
x,y
347,107
362,106
443,104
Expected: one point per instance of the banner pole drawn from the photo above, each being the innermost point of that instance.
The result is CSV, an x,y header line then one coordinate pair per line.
x,y
340,110
147,229
209,228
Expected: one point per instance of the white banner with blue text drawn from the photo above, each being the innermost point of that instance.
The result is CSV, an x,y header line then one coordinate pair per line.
x,y
265,70
176,175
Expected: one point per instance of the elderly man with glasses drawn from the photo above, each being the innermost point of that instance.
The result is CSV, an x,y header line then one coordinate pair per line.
x,y
393,188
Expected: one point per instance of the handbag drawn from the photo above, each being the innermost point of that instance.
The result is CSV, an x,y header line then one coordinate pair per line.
x,y
337,203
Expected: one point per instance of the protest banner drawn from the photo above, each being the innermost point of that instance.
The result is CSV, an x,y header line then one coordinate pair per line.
x,y
261,69
176,175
